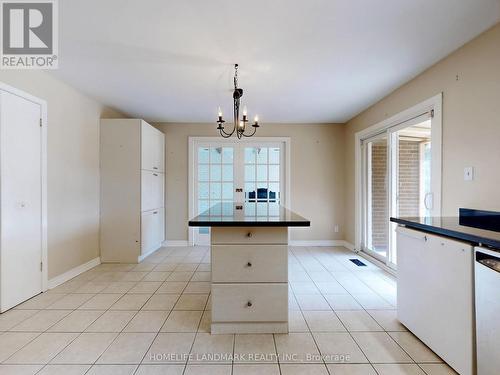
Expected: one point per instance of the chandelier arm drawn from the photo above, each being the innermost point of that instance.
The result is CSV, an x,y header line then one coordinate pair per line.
x,y
224,134
228,134
250,135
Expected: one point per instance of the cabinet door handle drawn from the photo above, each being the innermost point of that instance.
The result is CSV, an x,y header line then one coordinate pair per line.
x,y
249,264
249,234
155,212
154,174
416,236
155,167
249,304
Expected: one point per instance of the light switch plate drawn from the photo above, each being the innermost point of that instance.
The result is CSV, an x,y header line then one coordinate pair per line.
x,y
468,173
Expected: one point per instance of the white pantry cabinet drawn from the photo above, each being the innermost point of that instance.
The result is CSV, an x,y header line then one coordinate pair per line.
x,y
436,295
152,188
132,190
153,150
152,230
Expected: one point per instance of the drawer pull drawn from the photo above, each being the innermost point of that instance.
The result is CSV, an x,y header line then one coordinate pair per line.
x,y
249,264
249,304
249,234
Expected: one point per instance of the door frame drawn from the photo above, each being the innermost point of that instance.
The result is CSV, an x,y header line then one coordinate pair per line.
x,y
434,104
43,117
193,141
366,175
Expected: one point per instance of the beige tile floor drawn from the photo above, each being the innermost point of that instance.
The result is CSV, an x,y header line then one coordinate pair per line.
x,y
153,318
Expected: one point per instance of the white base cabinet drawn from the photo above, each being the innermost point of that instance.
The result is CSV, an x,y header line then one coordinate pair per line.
x,y
249,280
132,190
435,295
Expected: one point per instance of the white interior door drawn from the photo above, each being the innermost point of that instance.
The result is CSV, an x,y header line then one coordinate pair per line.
x,y
21,199
263,177
251,172
214,181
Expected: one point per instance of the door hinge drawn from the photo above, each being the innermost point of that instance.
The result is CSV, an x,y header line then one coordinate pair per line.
x,y
41,266
432,113
40,122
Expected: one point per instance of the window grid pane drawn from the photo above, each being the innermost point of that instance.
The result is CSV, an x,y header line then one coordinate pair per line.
x,y
215,179
262,181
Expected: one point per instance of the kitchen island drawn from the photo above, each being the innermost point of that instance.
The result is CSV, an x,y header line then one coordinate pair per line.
x,y
249,258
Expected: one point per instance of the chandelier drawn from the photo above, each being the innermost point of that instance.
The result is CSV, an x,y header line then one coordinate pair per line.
x,y
239,126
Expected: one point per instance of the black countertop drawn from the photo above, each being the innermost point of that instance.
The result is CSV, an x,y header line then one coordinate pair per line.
x,y
232,214
463,227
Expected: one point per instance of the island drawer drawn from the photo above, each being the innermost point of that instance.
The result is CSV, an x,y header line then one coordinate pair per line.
x,y
249,235
250,302
250,263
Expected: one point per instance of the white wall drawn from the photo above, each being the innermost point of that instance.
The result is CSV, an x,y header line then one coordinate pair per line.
x,y
73,167
470,81
317,175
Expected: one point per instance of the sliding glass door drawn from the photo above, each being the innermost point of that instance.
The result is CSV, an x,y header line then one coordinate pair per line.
x,y
399,178
251,172
375,151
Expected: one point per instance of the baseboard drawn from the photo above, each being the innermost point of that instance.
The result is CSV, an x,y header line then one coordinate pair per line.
x,y
368,257
140,258
74,272
349,246
299,243
171,243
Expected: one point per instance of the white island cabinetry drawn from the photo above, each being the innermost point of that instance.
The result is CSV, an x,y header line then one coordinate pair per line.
x,y
249,258
249,280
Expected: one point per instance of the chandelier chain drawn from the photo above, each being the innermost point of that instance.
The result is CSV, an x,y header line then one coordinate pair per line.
x,y
235,76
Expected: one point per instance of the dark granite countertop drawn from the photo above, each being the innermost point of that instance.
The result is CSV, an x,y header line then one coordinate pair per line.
x,y
463,228
231,214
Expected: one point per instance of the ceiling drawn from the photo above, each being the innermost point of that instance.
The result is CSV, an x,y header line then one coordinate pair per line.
x,y
307,61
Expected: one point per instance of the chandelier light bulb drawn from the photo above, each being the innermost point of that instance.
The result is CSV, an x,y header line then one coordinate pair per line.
x,y
219,111
256,119
245,112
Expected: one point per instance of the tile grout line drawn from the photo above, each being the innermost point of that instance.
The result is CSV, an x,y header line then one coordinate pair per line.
x,y
305,267
170,312
340,322
365,310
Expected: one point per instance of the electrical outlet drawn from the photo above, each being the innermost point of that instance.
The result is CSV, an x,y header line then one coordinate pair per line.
x,y
468,173
336,228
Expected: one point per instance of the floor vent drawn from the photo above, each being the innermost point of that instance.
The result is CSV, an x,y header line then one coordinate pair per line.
x,y
358,263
